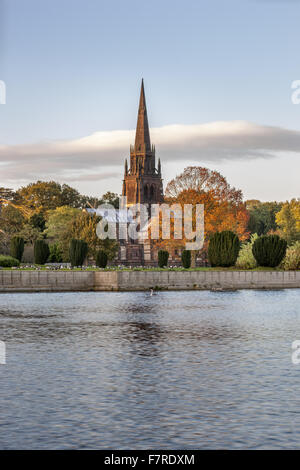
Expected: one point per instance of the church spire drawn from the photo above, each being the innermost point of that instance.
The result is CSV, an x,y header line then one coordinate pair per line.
x,y
142,136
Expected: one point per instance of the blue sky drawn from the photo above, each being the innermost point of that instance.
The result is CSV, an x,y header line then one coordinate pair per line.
x,y
73,68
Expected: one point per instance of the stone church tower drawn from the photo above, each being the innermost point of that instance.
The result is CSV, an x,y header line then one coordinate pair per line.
x,y
142,184
142,181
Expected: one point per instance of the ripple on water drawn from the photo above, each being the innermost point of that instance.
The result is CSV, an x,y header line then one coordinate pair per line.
x,y
126,370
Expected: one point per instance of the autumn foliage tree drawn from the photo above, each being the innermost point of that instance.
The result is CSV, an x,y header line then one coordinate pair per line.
x,y
42,196
224,208
203,180
288,220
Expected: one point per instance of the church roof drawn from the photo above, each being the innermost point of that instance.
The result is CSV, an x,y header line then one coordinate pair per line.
x,y
112,215
142,136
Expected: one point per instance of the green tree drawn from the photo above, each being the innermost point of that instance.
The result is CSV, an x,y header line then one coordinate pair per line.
x,y
59,227
262,217
47,195
11,222
17,247
55,255
288,220
269,250
30,233
186,259
78,252
246,259
110,198
223,249
101,259
38,221
84,228
65,223
41,252
291,262
163,256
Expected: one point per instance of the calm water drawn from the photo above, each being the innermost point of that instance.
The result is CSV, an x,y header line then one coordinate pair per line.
x,y
127,370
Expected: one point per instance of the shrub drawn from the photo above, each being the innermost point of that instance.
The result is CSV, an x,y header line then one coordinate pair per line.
x,y
246,259
163,257
78,250
101,259
55,255
186,259
223,249
8,261
41,251
292,258
17,247
269,250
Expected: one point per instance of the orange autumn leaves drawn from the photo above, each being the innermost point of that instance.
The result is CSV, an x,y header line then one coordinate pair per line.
x,y
224,208
219,215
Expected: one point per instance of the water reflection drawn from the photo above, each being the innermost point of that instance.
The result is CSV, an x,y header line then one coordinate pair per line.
x,y
126,370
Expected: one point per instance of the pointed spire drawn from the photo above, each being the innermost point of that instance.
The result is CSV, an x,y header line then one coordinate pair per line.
x,y
142,136
126,167
159,167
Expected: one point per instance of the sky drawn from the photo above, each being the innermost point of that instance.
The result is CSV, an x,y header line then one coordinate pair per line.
x,y
218,78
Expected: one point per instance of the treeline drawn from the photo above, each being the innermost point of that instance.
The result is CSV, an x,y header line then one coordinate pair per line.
x,y
53,212
277,218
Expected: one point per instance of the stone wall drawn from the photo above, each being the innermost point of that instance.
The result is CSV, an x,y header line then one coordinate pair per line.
x,y
39,281
141,280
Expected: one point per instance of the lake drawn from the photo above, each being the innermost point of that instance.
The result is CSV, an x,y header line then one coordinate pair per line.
x,y
175,370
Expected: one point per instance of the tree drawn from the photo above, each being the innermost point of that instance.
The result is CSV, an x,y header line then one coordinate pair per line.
x,y
219,215
101,259
223,249
17,247
163,257
11,219
291,262
288,220
90,202
84,228
70,196
269,250
46,195
30,233
223,206
78,252
262,216
246,259
55,255
41,252
203,180
59,227
65,223
110,198
11,222
38,221
94,202
186,259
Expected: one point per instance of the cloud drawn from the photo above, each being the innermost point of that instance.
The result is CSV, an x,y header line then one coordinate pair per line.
x,y
101,155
